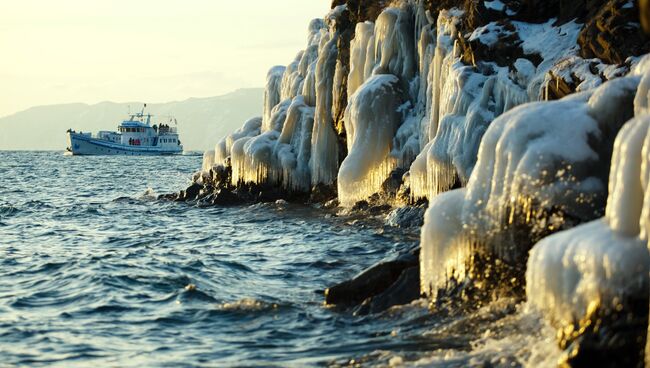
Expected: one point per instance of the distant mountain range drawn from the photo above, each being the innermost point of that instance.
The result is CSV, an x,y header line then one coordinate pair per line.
x,y
201,121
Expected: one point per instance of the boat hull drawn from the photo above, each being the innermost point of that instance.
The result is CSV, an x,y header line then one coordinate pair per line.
x,y
84,145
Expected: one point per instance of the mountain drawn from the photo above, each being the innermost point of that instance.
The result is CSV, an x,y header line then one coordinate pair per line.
x,y
201,121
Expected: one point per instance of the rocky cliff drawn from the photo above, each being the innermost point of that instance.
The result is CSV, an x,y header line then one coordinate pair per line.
x,y
522,123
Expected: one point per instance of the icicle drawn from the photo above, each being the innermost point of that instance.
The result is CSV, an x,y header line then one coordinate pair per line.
x,y
208,161
324,160
272,93
223,149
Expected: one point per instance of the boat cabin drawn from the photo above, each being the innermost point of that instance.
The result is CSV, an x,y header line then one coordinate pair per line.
x,y
137,131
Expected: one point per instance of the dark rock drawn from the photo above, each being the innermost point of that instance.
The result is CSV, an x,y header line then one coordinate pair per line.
x,y
559,87
331,204
363,10
391,186
168,197
644,15
405,290
614,33
406,217
360,206
323,193
192,192
369,283
224,197
221,176
606,337
379,209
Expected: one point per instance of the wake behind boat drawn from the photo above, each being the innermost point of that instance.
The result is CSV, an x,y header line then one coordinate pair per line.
x,y
135,137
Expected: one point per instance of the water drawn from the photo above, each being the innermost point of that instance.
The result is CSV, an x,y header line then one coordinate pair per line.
x,y
95,270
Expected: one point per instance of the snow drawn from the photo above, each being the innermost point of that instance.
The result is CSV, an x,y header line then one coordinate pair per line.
x,y
602,263
494,5
489,34
465,99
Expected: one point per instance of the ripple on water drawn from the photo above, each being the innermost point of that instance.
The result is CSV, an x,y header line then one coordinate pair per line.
x,y
93,263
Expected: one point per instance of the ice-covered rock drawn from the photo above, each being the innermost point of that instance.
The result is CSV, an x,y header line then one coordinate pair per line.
x,y
272,93
371,121
467,98
222,150
539,170
324,162
599,271
208,160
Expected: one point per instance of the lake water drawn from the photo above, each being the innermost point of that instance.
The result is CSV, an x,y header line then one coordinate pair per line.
x,y
95,271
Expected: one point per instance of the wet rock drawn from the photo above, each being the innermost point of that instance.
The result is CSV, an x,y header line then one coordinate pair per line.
x,y
168,197
221,176
607,338
405,290
331,204
392,185
374,281
360,206
224,197
323,193
406,217
191,193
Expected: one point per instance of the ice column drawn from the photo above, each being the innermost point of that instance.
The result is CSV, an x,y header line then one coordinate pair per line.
x,y
371,121
324,161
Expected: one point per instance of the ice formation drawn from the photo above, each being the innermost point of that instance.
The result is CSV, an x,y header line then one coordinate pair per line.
x,y
208,160
296,145
223,149
324,161
467,98
604,263
276,148
371,121
538,166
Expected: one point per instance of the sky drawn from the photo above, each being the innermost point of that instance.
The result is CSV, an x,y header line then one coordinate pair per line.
x,y
90,51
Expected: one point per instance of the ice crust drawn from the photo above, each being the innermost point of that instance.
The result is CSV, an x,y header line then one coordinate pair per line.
x,y
603,263
444,107
538,164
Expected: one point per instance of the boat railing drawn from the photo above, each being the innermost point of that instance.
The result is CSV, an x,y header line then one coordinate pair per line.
x,y
167,129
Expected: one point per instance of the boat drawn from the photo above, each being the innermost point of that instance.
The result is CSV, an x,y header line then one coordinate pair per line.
x,y
135,137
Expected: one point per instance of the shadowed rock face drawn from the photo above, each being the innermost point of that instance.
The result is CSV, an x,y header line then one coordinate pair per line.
x,y
644,14
614,33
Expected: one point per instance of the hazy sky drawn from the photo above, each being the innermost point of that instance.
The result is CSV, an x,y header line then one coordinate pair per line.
x,y
145,50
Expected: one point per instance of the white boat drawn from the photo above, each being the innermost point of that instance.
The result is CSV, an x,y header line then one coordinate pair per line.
x,y
135,137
